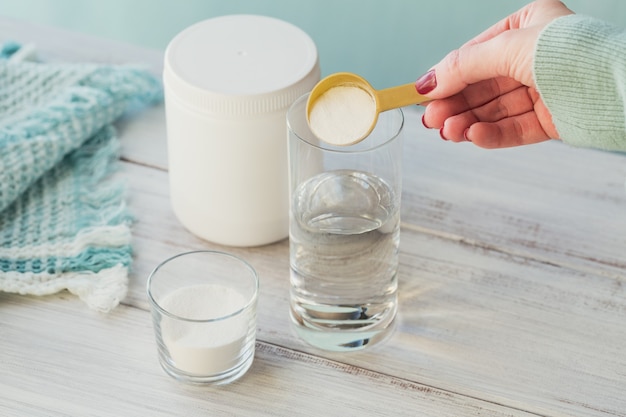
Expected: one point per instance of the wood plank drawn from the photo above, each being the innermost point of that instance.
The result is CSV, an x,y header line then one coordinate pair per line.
x,y
480,322
548,201
519,201
58,359
54,44
511,284
510,200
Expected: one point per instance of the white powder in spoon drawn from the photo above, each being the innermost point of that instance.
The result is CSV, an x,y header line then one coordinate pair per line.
x,y
206,348
342,115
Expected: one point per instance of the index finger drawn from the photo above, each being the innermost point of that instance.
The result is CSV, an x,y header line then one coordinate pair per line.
x,y
508,23
505,55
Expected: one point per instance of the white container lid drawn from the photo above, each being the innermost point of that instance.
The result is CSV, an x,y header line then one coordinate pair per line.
x,y
240,64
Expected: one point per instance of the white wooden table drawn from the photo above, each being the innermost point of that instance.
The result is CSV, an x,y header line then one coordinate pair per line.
x,y
512,293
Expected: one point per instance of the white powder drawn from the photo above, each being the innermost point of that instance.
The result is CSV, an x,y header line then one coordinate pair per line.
x,y
342,115
205,348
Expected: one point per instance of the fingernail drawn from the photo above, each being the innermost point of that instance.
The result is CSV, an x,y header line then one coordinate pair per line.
x,y
441,134
424,121
465,135
426,83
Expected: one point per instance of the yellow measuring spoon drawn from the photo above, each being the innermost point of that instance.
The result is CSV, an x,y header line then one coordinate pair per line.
x,y
342,109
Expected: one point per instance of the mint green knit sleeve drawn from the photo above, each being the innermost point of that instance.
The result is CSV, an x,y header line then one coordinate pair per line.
x,y
580,73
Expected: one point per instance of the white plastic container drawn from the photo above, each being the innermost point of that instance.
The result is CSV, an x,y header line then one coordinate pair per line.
x,y
229,82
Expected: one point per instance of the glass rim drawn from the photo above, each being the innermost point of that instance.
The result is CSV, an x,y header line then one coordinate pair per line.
x,y
342,149
154,303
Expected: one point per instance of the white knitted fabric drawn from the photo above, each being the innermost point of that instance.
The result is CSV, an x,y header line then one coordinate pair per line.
x,y
63,225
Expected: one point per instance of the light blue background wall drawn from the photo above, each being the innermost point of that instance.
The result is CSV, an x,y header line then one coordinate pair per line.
x,y
388,42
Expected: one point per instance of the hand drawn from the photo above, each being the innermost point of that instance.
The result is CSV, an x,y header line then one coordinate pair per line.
x,y
484,92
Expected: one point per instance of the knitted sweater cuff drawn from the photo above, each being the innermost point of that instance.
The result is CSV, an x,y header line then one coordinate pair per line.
x,y
580,73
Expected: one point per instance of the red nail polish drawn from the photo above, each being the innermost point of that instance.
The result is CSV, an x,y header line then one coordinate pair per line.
x,y
424,121
465,135
426,83
441,134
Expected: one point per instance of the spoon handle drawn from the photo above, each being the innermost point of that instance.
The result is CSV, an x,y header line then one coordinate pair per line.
x,y
400,96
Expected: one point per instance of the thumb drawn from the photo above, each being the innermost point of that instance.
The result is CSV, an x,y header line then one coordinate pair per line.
x,y
509,54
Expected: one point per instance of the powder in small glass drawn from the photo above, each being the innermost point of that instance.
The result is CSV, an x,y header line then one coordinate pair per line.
x,y
205,348
342,115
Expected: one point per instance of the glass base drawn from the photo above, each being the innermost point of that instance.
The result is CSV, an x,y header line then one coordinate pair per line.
x,y
222,378
342,328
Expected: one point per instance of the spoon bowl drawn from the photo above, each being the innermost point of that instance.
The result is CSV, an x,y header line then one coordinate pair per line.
x,y
344,123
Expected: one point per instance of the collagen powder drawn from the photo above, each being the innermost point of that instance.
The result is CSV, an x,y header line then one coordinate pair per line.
x,y
342,115
211,347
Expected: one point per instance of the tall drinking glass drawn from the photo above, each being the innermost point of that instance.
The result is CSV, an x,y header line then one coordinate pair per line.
x,y
344,233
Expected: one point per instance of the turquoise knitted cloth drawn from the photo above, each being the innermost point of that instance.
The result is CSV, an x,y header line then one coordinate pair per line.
x,y
63,221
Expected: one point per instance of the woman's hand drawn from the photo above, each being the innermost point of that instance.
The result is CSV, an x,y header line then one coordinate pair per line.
x,y
484,92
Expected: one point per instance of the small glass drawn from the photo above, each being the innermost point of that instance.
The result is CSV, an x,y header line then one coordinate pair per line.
x,y
344,233
204,313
